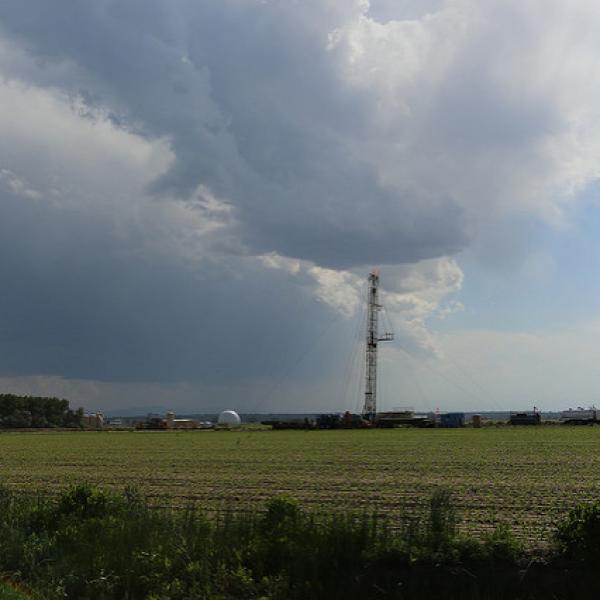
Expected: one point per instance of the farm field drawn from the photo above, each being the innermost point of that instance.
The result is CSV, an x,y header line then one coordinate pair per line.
x,y
527,477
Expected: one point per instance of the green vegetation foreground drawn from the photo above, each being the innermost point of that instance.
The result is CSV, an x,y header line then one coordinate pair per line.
x,y
525,477
90,543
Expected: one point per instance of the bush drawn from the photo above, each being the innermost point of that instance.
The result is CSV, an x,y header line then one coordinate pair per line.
x,y
94,543
9,592
578,536
282,513
86,501
441,529
502,546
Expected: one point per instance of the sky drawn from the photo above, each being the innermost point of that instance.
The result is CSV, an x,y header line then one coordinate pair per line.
x,y
192,195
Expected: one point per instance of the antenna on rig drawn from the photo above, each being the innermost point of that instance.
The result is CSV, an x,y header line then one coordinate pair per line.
x,y
373,338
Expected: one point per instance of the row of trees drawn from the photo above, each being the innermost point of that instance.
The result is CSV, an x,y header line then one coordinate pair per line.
x,y
34,411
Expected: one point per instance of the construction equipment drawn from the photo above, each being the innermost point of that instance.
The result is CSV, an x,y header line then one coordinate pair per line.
x,y
525,418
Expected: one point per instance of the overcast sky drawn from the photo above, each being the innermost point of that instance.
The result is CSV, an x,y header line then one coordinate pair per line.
x,y
193,193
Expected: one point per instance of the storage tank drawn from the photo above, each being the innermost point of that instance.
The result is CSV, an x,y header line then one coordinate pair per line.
x,y
229,417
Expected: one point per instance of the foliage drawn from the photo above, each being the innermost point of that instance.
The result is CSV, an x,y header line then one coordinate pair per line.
x,y
502,546
36,412
95,543
442,522
578,535
9,593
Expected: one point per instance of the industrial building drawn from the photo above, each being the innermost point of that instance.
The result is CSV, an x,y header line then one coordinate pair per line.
x,y
93,420
579,416
525,418
174,423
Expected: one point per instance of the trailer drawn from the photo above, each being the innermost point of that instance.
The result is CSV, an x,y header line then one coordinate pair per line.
x,y
347,420
404,418
153,422
290,424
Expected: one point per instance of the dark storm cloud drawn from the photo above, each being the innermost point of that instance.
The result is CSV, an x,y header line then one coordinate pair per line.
x,y
79,302
255,109
303,129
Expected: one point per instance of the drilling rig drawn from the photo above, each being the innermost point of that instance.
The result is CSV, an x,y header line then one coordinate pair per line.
x,y
373,339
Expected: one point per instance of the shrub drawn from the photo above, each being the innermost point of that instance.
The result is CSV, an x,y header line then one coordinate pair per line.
x,y
280,533
9,592
441,528
282,513
86,501
578,536
502,545
93,543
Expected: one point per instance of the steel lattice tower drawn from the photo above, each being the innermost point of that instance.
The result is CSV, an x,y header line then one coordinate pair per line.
x,y
373,338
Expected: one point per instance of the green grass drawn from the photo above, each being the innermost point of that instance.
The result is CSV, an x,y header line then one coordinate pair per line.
x,y
526,477
93,544
9,593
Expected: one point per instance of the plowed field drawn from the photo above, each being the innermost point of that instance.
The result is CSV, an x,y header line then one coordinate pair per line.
x,y
527,477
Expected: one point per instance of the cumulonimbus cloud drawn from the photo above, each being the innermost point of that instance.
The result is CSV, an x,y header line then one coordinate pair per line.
x,y
204,138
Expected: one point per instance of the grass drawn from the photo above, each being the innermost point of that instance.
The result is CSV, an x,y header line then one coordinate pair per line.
x,y
91,543
525,477
9,593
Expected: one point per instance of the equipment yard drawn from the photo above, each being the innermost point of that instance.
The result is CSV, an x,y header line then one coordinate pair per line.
x,y
525,477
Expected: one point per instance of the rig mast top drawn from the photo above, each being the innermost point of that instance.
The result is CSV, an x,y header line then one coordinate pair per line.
x,y
373,338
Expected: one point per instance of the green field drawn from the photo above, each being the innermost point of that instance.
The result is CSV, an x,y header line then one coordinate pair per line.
x,y
526,477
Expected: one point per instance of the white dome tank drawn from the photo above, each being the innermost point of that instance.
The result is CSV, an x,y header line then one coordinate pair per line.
x,y
229,417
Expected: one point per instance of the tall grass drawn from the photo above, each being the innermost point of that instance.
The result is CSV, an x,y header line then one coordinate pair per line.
x,y
97,544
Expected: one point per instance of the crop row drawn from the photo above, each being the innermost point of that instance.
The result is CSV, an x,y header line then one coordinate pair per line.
x,y
525,477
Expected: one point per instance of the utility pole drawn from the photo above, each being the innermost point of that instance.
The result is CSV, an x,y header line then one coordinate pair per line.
x,y
373,338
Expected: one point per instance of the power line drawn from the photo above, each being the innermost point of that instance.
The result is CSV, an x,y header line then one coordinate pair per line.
x,y
300,357
443,376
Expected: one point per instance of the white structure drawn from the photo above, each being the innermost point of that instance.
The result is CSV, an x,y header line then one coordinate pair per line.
x,y
173,423
94,420
580,415
185,424
230,418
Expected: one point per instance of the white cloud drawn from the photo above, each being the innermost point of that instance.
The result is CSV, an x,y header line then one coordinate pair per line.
x,y
80,160
340,289
15,185
495,104
411,294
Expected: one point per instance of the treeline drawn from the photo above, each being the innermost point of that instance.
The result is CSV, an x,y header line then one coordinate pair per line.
x,y
33,411
96,544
